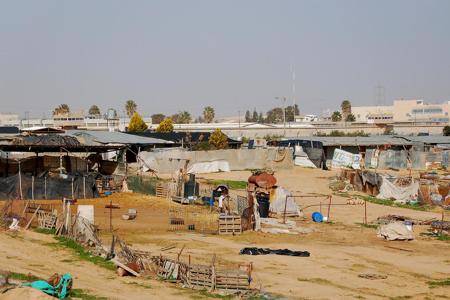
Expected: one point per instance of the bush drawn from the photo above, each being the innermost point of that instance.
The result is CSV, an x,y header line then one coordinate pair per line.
x,y
165,126
137,124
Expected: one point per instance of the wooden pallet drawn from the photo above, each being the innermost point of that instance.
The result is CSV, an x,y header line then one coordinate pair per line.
x,y
46,220
200,277
230,225
162,190
235,280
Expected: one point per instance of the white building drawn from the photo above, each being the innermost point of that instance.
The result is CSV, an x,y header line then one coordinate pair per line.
x,y
403,111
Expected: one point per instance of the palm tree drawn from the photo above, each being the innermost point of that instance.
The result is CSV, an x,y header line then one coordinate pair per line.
x,y
184,117
208,114
130,107
94,110
336,116
346,108
61,109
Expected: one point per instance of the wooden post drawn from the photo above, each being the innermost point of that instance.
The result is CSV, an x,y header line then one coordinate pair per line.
x,y
45,187
20,182
329,207
73,197
32,187
84,186
285,206
365,211
60,161
32,218
110,216
213,273
7,163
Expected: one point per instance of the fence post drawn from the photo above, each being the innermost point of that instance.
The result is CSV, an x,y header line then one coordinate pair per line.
x,y
285,206
32,187
84,187
20,182
45,187
72,190
329,207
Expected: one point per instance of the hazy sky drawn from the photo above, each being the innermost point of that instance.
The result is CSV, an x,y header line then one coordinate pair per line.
x,y
234,55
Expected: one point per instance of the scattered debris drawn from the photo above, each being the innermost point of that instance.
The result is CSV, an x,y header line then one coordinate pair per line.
x,y
112,205
125,269
397,218
372,276
441,227
131,215
265,251
58,286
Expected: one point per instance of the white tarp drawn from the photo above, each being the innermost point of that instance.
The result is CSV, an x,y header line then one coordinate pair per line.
x,y
87,212
301,158
167,161
395,231
209,167
304,162
401,194
345,159
279,201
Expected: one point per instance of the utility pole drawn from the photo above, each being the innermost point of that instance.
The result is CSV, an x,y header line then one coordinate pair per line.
x,y
239,122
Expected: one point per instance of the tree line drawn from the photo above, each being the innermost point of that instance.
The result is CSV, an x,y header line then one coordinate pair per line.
x,y
274,115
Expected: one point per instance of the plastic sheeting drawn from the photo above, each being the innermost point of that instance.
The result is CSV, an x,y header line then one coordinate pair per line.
x,y
395,231
302,159
345,159
279,201
170,160
395,159
209,167
265,251
401,194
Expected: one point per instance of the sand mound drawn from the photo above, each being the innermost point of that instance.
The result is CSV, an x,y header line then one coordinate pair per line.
x,y
25,293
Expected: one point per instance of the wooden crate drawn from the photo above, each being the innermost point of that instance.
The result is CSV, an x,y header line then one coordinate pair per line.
x,y
230,225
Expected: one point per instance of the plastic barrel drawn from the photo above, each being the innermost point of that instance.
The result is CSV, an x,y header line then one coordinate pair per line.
x,y
264,206
211,201
317,217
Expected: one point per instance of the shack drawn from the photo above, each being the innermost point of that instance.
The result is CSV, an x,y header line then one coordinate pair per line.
x,y
56,165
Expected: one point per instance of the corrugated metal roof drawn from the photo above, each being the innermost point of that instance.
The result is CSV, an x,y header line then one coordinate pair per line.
x,y
429,139
89,137
377,140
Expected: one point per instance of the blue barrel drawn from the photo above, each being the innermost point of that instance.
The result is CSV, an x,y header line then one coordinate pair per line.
x,y
211,201
317,217
108,193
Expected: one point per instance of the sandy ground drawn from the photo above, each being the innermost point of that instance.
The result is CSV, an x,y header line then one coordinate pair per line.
x,y
340,251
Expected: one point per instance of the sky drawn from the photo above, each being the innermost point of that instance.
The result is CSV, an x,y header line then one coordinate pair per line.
x,y
170,56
